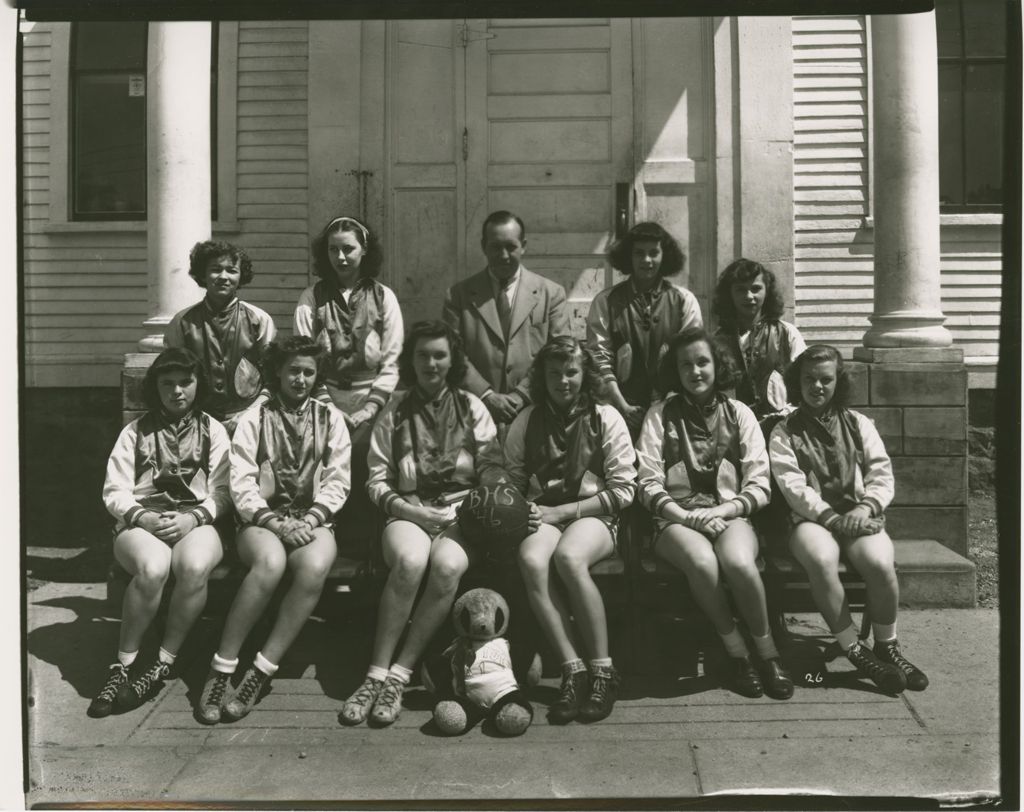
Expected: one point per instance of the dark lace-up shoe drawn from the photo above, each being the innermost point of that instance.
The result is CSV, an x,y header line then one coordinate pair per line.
x,y
103,704
571,695
887,677
145,685
604,687
889,652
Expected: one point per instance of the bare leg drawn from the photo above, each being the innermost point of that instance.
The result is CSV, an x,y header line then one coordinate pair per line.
x,y
552,614
818,553
309,566
584,543
148,560
736,549
874,558
449,561
691,552
406,552
192,560
264,554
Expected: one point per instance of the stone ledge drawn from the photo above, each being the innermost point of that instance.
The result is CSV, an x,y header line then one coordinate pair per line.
x,y
901,355
931,574
918,385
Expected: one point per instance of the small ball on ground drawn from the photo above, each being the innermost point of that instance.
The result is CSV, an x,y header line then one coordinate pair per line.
x,y
513,720
450,717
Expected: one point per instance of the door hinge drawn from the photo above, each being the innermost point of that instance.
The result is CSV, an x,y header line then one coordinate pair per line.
x,y
467,35
465,143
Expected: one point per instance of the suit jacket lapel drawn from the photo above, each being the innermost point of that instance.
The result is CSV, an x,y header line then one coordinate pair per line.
x,y
482,298
527,296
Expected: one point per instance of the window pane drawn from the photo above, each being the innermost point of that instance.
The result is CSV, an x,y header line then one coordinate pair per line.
x,y
983,107
947,24
951,147
110,147
110,46
985,27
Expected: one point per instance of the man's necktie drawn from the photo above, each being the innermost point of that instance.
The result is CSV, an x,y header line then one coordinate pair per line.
x,y
504,309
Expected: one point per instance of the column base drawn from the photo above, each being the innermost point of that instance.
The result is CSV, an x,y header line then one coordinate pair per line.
x,y
909,355
909,328
133,404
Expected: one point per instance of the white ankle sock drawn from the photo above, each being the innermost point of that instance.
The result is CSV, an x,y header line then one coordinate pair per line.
x,y
734,643
126,658
377,673
765,646
847,638
400,673
165,656
602,662
884,632
574,666
224,666
263,664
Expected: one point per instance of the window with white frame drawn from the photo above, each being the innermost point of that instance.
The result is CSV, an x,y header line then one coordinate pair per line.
x,y
972,80
107,147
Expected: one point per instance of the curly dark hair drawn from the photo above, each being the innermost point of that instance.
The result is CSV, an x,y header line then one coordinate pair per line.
x,y
278,353
203,252
373,256
673,260
745,270
813,355
172,361
726,374
428,329
500,218
562,349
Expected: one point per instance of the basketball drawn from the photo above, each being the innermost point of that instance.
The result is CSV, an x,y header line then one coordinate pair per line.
x,y
495,517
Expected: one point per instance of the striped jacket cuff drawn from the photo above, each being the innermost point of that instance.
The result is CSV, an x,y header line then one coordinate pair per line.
x,y
873,505
203,516
378,396
321,512
131,518
659,503
262,516
387,503
746,502
827,516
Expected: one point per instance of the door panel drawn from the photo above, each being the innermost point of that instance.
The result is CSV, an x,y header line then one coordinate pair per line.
x,y
425,67
534,116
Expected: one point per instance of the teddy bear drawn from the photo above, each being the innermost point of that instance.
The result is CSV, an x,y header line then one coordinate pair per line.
x,y
473,677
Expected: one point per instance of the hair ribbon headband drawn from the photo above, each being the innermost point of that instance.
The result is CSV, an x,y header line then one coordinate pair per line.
x,y
347,221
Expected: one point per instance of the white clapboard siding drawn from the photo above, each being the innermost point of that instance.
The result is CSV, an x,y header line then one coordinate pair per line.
x,y
833,245
86,294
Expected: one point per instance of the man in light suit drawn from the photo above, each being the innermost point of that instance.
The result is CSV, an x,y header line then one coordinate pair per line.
x,y
504,315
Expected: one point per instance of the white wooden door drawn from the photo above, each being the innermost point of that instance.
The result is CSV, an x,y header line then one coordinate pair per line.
x,y
533,116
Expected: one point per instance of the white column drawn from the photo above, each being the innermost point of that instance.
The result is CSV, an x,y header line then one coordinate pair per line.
x,y
908,304
178,156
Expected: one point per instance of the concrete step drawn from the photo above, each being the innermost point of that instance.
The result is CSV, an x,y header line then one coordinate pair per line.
x,y
932,575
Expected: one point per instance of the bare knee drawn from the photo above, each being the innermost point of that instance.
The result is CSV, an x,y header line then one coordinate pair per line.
x,y
570,564
268,565
877,569
445,573
313,571
701,566
533,564
152,573
407,570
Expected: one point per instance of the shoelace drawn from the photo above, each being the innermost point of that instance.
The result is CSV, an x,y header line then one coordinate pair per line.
x,y
872,666
157,673
118,676
391,694
568,694
600,685
897,659
365,695
250,687
217,690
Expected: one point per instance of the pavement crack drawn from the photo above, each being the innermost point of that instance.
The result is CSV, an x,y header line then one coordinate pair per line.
x,y
913,711
696,770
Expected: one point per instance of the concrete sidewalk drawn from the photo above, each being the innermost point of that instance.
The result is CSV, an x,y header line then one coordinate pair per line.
x,y
667,738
